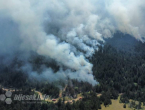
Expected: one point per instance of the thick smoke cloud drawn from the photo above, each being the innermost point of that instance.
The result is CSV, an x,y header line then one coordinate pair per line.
x,y
67,31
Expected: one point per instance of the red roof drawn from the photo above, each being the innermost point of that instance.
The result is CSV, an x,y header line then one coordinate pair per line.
x,y
80,98
53,99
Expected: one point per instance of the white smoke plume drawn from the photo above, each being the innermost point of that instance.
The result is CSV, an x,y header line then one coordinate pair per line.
x,y
67,31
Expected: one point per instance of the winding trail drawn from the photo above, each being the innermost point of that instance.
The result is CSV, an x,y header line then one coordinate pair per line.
x,y
42,96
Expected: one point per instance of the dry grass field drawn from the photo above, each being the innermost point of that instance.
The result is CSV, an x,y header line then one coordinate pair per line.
x,y
118,106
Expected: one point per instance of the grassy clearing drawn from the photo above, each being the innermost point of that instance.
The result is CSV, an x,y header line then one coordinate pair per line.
x,y
114,106
118,106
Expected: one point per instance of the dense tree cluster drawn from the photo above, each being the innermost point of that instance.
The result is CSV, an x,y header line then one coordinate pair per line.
x,y
123,72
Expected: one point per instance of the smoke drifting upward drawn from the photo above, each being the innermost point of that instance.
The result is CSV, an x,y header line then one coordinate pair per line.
x,y
67,31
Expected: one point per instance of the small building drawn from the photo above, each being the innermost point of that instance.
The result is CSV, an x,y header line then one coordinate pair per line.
x,y
80,98
54,100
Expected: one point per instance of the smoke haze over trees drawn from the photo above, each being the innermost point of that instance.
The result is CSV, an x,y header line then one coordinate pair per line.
x,y
64,32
